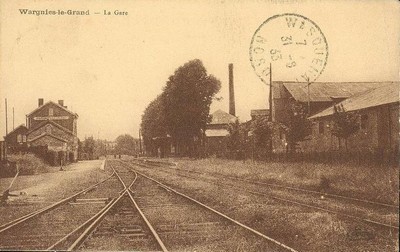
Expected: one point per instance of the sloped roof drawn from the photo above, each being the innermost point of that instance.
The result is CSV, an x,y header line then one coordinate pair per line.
x,y
58,105
384,94
328,91
216,132
40,125
221,117
50,135
20,126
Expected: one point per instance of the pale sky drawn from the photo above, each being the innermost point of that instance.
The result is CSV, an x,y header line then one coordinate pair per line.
x,y
108,68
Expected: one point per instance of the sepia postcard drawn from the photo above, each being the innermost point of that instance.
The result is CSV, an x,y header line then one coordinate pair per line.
x,y
260,125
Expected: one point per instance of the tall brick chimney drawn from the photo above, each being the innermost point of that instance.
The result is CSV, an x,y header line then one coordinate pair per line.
x,y
40,102
232,110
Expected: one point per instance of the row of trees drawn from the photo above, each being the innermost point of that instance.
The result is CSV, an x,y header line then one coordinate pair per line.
x,y
179,116
180,113
93,149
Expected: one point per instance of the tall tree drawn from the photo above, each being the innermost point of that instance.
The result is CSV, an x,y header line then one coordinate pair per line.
x,y
181,111
299,127
187,97
153,124
235,139
345,124
89,147
262,130
126,145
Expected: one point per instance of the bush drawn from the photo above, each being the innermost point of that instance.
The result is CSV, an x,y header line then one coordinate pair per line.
x,y
29,164
7,169
52,158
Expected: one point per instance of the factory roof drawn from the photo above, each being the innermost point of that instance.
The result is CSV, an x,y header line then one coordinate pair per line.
x,y
221,117
380,95
328,91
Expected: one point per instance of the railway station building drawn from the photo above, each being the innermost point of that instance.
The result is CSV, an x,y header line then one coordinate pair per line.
x,y
53,126
17,139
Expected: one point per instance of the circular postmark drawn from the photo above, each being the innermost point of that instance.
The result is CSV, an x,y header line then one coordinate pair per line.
x,y
293,45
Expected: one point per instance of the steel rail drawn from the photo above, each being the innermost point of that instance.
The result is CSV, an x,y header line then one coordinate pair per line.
x,y
52,247
218,213
284,186
303,204
152,230
93,224
120,180
95,220
27,217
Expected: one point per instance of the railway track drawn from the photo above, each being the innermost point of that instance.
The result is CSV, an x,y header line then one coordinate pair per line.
x,y
40,228
120,225
183,223
180,222
253,189
132,211
292,188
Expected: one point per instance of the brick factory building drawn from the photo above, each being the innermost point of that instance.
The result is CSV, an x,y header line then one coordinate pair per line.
x,y
320,95
378,111
377,104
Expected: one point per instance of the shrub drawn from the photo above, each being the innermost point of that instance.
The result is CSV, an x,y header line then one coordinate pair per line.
x,y
29,164
7,169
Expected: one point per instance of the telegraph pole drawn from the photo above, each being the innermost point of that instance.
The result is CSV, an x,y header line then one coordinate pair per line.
x,y
270,92
270,119
5,142
13,119
270,107
308,99
6,118
140,142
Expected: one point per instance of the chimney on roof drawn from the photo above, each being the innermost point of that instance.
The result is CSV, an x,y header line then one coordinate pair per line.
x,y
61,103
231,92
40,102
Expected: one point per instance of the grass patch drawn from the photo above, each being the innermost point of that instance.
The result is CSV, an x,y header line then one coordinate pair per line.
x,y
301,228
371,182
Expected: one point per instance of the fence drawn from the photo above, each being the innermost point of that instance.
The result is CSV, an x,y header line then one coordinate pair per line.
x,y
381,157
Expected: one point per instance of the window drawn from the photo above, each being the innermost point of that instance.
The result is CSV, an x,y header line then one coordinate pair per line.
x,y
24,138
19,138
364,121
321,127
51,112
